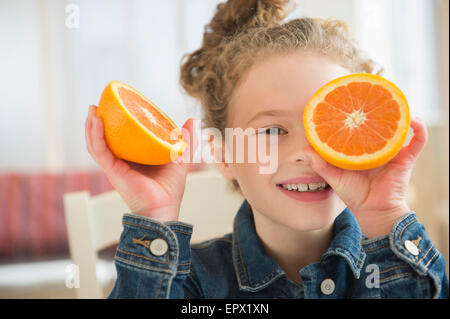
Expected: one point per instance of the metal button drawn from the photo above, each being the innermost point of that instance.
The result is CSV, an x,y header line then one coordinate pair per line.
x,y
327,286
411,247
158,247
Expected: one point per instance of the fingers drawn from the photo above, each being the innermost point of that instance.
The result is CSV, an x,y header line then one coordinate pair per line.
x,y
190,136
95,140
88,127
420,138
410,152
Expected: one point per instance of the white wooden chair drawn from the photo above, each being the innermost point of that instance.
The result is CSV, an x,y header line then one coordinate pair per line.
x,y
94,223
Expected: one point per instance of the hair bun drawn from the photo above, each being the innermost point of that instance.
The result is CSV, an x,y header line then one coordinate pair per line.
x,y
235,15
230,18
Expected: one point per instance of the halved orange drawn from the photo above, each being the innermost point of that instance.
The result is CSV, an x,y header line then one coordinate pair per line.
x,y
136,129
358,121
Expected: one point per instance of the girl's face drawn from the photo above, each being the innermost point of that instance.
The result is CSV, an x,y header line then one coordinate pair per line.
x,y
282,83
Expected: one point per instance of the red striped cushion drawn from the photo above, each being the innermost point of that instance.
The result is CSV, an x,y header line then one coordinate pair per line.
x,y
32,223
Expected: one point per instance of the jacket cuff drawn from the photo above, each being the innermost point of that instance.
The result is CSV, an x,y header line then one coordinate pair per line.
x,y
410,242
150,244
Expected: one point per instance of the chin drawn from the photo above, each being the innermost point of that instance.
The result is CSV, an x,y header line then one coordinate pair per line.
x,y
310,220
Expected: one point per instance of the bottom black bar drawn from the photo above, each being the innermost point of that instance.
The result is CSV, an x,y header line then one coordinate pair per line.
x,y
216,308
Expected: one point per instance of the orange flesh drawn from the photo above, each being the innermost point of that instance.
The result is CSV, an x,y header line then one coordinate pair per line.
x,y
357,118
147,115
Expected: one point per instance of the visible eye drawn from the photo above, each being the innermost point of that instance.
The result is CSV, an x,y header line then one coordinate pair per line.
x,y
272,130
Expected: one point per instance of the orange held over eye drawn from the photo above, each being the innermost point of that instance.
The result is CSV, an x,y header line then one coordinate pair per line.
x,y
136,130
357,121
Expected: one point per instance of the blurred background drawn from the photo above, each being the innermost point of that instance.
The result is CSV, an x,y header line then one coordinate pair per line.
x,y
57,56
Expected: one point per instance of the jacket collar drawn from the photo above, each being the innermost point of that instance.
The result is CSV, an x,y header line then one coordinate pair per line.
x,y
255,270
347,237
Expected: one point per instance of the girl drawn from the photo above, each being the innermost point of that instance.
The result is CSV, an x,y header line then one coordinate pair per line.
x,y
356,239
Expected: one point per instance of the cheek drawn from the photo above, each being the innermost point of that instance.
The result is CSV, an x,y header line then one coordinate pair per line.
x,y
268,150
255,159
250,178
253,150
290,148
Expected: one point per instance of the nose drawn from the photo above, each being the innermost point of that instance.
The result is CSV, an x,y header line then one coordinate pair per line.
x,y
301,158
297,154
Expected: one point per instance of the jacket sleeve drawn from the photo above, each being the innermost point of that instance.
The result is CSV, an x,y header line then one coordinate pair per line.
x,y
152,259
410,242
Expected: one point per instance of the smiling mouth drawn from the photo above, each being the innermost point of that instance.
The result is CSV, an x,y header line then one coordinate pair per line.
x,y
304,188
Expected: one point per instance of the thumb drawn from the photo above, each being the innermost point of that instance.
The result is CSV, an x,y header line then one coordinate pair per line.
x,y
330,173
190,137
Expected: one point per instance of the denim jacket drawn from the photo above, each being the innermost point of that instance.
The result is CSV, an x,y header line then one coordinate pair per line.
x,y
156,260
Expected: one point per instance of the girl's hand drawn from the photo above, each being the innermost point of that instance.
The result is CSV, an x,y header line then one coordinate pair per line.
x,y
377,197
154,191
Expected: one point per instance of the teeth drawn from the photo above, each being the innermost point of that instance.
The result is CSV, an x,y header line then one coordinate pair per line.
x,y
305,187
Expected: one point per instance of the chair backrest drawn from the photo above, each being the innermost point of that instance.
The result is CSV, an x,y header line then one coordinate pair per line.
x,y
94,223
208,205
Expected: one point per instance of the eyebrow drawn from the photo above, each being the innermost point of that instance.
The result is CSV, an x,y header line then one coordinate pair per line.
x,y
270,113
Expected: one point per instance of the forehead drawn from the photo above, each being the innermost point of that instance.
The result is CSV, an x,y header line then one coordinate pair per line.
x,y
281,82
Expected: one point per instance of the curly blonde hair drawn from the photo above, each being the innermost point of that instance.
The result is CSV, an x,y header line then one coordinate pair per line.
x,y
244,31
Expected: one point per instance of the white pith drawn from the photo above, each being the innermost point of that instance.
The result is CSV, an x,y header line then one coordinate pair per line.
x,y
355,119
149,115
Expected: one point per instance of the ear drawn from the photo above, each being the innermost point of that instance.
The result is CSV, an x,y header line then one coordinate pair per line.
x,y
218,153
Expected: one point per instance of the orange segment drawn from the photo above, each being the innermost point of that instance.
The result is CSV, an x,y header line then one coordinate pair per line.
x,y
137,130
340,99
358,121
377,96
359,92
146,114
